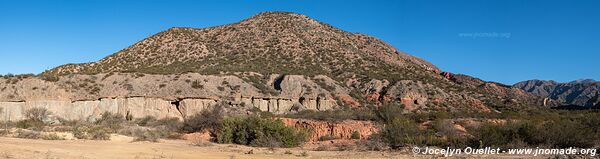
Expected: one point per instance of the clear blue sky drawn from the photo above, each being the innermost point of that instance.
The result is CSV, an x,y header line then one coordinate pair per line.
x,y
497,40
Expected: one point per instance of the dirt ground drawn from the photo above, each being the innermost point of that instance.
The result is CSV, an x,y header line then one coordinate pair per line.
x,y
122,147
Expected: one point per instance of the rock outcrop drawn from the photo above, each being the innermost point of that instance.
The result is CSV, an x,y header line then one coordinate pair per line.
x,y
139,107
85,97
337,130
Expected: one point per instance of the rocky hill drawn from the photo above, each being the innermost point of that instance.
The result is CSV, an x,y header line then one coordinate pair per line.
x,y
274,61
580,92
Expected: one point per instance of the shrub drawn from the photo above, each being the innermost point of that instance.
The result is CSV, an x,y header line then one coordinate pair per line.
x,y
146,135
111,121
557,133
566,133
98,132
374,143
326,138
32,124
52,136
170,124
27,134
50,77
38,114
146,121
196,85
355,135
255,131
398,133
444,127
209,119
389,113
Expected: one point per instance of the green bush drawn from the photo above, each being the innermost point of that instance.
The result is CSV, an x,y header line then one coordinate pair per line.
x,y
255,131
398,133
561,133
566,133
355,135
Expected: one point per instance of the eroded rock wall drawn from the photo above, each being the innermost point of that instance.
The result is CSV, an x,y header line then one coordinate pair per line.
x,y
337,130
138,107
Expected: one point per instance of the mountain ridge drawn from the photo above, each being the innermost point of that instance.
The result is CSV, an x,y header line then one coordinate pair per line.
x,y
584,92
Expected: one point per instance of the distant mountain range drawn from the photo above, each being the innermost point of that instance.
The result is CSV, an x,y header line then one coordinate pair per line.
x,y
577,93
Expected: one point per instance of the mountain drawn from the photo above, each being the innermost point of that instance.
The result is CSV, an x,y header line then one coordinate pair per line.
x,y
580,92
270,42
281,58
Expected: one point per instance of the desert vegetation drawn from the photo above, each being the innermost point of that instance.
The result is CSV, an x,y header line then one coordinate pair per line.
x,y
536,128
398,128
246,130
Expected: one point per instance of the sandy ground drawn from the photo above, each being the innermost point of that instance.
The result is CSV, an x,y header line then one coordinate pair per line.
x,y
121,147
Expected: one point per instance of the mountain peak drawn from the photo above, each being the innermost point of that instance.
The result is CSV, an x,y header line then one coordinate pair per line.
x,y
268,42
277,13
281,20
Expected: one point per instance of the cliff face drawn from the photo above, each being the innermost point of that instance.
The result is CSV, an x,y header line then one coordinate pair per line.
x,y
85,97
337,130
584,93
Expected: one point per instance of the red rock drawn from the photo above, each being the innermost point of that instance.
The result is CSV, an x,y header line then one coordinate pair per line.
x,y
447,75
204,136
338,130
349,100
373,96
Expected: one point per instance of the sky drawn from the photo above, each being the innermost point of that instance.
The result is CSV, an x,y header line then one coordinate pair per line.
x,y
506,41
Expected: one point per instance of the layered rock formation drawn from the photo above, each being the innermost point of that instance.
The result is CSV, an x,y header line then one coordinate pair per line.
x,y
85,97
